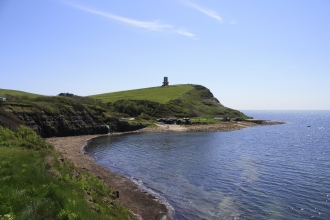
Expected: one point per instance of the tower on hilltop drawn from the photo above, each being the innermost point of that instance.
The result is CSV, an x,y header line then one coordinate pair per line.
x,y
165,83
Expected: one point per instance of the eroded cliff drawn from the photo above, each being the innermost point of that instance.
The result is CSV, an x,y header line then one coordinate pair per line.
x,y
53,119
59,125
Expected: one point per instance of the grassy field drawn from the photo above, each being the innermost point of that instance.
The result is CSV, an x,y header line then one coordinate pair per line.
x,y
17,93
36,182
157,94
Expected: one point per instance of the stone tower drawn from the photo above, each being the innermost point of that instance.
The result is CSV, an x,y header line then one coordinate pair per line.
x,y
165,83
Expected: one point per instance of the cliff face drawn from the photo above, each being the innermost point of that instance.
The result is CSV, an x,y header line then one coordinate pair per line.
x,y
60,125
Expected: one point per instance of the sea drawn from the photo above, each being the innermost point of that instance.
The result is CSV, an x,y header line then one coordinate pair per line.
x,y
263,172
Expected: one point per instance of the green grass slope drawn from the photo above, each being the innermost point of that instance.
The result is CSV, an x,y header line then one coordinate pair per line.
x,y
161,95
4,92
170,101
36,182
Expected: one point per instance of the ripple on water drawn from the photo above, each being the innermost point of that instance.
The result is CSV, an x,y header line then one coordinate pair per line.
x,y
272,172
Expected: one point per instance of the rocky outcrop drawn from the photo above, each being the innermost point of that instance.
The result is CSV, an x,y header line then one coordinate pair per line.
x,y
8,120
122,126
60,125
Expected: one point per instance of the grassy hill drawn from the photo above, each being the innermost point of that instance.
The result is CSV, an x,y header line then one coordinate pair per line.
x,y
145,105
3,92
156,94
169,101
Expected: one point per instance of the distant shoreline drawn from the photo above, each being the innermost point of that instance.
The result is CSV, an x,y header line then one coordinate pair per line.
x,y
130,195
222,127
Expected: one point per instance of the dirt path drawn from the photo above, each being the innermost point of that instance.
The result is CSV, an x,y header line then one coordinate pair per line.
x,y
130,195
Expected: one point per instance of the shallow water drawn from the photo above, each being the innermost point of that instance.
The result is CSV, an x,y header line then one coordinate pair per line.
x,y
264,172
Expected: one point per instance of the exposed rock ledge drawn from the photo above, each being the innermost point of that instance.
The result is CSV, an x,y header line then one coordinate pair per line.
x,y
60,125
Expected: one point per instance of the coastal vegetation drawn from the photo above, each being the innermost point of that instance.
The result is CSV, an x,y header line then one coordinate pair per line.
x,y
168,101
69,114
37,182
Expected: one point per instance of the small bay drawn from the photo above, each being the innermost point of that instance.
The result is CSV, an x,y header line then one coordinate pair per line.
x,y
263,172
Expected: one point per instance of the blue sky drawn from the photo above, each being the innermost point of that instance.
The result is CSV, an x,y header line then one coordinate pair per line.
x,y
251,54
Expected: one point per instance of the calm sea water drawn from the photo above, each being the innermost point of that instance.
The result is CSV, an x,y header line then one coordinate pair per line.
x,y
264,172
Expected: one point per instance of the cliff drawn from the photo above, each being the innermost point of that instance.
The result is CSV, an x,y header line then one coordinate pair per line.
x,y
60,125
51,116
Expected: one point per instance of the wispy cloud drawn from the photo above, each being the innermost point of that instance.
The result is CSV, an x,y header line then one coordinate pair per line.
x,y
152,25
185,33
205,11
148,25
